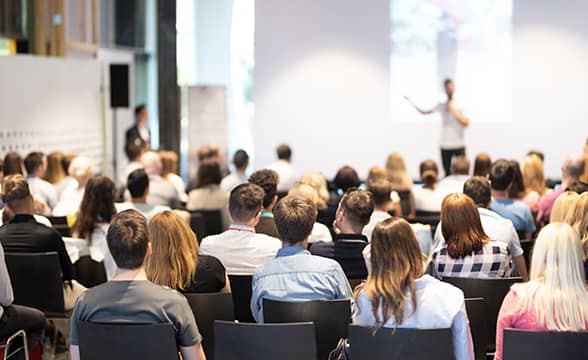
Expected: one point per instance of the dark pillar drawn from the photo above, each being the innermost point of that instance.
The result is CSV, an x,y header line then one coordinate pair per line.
x,y
167,70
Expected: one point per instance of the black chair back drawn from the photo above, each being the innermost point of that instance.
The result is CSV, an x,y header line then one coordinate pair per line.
x,y
476,314
527,246
427,218
89,272
492,291
57,220
207,308
241,292
331,319
400,344
213,220
530,345
405,205
236,341
198,225
36,281
126,341
59,223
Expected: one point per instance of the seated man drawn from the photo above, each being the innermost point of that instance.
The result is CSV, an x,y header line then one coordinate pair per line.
x,y
241,162
138,186
268,181
129,297
240,249
295,274
23,234
495,226
161,191
36,165
460,168
287,173
354,213
501,178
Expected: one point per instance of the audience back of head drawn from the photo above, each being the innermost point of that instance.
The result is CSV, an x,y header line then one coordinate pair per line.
x,y
284,152
501,175
358,206
346,178
33,162
295,217
152,163
268,180
97,206
461,226
380,190
482,165
13,164
317,180
209,173
55,172
138,183
241,160
128,239
478,189
16,193
460,165
245,202
429,173
562,206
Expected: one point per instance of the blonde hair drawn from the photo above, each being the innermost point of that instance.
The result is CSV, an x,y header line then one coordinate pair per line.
x,y
577,217
55,172
169,163
562,205
396,170
317,180
533,176
376,173
305,191
561,300
175,251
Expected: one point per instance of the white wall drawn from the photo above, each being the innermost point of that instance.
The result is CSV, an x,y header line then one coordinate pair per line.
x,y
321,84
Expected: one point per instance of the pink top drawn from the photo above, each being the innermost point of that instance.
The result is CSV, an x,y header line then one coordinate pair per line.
x,y
532,200
545,205
509,317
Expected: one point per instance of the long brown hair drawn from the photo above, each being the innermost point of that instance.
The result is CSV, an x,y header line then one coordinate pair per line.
x,y
461,226
13,164
97,206
175,251
397,262
55,172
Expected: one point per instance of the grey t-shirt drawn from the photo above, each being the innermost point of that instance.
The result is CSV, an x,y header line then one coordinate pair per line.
x,y
136,302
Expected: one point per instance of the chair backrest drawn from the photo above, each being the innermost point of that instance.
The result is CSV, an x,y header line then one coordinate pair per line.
x,y
405,205
57,220
36,281
493,291
400,343
60,224
527,345
207,308
213,220
241,291
331,319
237,341
476,308
527,246
126,341
198,225
89,272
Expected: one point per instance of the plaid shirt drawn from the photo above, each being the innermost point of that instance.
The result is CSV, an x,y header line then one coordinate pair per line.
x,y
492,261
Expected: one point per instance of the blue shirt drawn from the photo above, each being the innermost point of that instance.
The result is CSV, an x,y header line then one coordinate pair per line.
x,y
296,275
515,211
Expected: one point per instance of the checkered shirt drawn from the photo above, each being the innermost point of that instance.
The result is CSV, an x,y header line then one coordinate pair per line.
x,y
492,261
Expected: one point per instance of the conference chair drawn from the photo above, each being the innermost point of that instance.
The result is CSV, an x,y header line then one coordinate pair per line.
x,y
241,292
400,343
198,225
527,246
237,341
531,345
88,272
213,220
492,291
430,218
59,223
99,341
331,319
476,315
206,309
405,206
15,347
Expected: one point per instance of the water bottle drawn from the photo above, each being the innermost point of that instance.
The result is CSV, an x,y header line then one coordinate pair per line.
x,y
48,350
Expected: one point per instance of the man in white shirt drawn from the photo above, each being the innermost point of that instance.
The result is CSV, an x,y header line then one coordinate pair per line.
x,y
139,133
239,176
36,166
495,226
287,174
138,186
134,153
240,248
161,192
453,124
460,168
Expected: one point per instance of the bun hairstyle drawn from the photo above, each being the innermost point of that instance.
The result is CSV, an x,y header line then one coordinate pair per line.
x,y
429,173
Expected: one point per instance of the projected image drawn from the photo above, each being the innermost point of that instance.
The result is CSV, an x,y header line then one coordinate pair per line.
x,y
468,41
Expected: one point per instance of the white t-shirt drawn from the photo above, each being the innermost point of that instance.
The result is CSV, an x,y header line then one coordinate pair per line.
x,y
451,130
426,199
288,175
319,233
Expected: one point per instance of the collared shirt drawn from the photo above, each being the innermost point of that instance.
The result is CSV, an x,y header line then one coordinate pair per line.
x,y
439,305
496,227
491,261
233,180
515,211
347,251
296,275
240,249
288,175
43,190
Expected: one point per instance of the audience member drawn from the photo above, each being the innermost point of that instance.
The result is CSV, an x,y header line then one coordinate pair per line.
x,y
556,298
295,274
287,174
495,226
317,180
240,249
376,172
468,251
96,211
320,232
460,168
139,133
23,234
428,197
138,186
517,190
353,214
169,172
80,170
577,217
36,165
534,181
134,153
573,167
176,262
13,164
562,206
161,192
15,317
401,183
397,293
482,165
55,175
268,181
537,153
501,179
208,195
345,178
239,176
130,297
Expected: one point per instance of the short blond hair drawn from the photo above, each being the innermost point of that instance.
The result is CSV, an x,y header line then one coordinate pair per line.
x,y
562,206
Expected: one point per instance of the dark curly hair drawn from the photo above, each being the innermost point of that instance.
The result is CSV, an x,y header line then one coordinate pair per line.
x,y
97,206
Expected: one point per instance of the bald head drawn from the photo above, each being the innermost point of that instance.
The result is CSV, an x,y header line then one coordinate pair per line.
x,y
152,163
573,167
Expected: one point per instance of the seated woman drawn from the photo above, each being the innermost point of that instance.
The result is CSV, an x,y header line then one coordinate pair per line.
x,y
96,211
562,206
169,171
468,251
428,197
401,183
556,298
398,294
175,260
208,195
319,232
578,219
80,170
534,180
